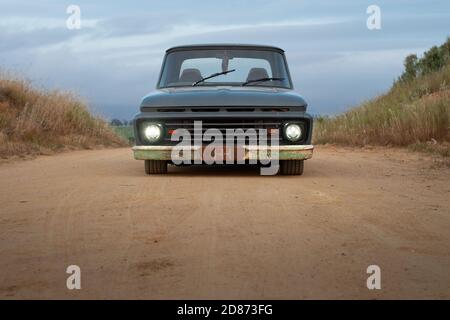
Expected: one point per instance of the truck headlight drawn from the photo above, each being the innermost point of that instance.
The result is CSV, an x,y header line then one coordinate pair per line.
x,y
152,131
293,132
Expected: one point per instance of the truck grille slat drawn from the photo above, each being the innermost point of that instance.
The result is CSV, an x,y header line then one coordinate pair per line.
x,y
223,109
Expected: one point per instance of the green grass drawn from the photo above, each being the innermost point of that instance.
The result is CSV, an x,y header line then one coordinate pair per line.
x,y
126,132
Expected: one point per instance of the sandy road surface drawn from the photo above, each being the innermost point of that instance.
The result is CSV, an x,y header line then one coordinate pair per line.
x,y
225,232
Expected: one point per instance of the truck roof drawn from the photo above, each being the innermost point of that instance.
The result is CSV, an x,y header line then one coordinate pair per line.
x,y
224,46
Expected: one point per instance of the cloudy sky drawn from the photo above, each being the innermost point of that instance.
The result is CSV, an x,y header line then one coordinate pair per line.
x,y
114,59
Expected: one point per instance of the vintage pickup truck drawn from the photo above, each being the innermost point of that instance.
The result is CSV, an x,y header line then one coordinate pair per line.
x,y
223,87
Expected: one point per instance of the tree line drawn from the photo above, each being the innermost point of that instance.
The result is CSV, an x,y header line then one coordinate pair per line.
x,y
120,123
432,60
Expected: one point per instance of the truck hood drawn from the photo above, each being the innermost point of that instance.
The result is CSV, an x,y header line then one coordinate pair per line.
x,y
222,97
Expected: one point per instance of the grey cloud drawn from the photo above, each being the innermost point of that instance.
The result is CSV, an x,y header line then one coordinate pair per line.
x,y
333,65
137,24
13,40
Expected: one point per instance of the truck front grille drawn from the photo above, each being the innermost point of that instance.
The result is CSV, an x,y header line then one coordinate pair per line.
x,y
222,126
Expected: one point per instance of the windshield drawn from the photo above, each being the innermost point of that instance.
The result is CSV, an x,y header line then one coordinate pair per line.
x,y
249,67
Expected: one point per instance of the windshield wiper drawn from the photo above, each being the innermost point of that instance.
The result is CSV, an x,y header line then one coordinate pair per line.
x,y
261,80
212,76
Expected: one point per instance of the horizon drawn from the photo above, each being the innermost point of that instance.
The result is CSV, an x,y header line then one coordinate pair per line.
x,y
114,59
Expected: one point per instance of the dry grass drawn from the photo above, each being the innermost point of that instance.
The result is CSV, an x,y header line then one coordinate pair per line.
x,y
36,122
412,113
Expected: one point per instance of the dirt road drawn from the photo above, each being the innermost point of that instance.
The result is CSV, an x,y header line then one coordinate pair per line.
x,y
225,232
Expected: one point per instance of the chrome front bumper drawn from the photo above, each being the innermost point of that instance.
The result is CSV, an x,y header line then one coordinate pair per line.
x,y
285,152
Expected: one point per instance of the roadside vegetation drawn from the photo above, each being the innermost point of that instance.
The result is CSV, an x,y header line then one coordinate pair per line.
x,y
34,121
125,132
415,113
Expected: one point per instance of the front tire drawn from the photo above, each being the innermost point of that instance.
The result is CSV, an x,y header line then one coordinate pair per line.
x,y
291,167
155,166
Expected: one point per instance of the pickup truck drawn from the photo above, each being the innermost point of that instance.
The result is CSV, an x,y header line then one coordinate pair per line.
x,y
208,90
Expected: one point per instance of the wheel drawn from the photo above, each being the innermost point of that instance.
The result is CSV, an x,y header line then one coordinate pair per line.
x,y
291,167
155,166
